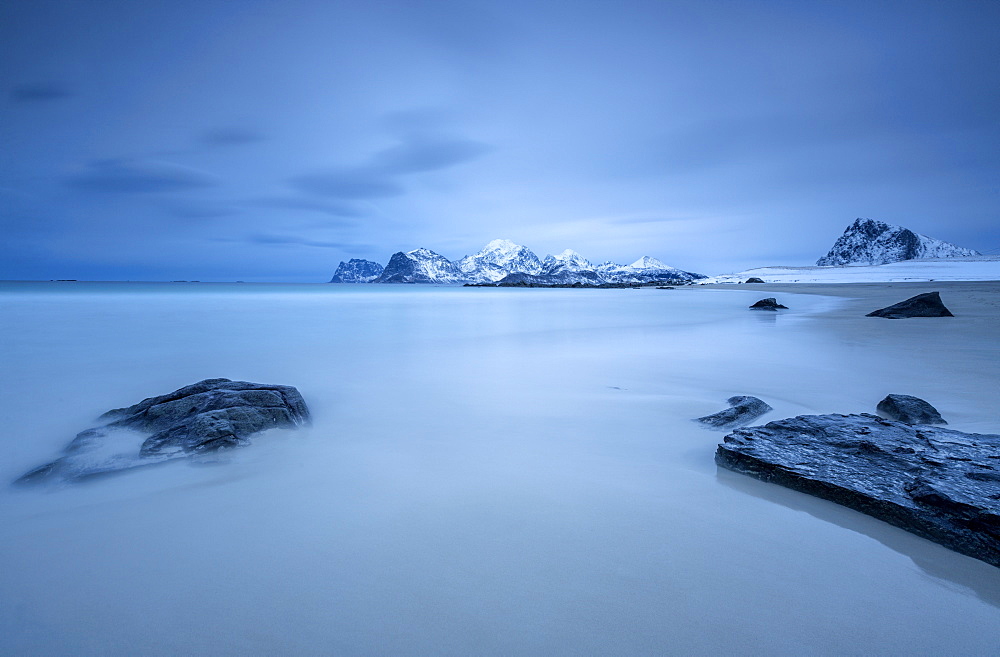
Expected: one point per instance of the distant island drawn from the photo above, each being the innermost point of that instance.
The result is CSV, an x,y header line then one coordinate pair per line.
x,y
502,263
505,263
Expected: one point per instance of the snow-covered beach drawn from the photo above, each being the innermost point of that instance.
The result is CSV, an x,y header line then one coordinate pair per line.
x,y
490,471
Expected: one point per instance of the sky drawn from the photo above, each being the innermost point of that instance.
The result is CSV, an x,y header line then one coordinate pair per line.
x,y
267,140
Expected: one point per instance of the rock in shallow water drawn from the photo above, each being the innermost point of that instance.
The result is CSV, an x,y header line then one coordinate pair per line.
x,y
202,417
769,303
744,410
928,304
938,483
908,409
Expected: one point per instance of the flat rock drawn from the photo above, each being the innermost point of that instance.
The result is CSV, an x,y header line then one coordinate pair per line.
x,y
769,303
938,483
743,410
203,417
928,304
908,409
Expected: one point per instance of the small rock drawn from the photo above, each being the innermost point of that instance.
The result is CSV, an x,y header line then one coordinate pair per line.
x,y
911,410
744,410
769,303
753,279
927,304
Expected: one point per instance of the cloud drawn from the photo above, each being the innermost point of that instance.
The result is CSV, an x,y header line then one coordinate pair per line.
x,y
310,204
229,136
187,209
428,155
348,184
379,177
139,177
275,239
39,92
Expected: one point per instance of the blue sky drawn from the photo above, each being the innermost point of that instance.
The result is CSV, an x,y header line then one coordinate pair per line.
x,y
266,140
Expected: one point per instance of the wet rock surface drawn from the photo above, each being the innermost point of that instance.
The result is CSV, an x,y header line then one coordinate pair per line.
x,y
928,304
203,417
938,483
743,410
769,303
908,409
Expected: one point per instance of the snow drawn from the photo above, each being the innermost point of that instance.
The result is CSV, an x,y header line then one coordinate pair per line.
x,y
978,268
646,262
877,243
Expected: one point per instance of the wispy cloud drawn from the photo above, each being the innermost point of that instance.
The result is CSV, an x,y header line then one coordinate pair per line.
x,y
40,92
229,136
322,206
275,239
381,176
139,177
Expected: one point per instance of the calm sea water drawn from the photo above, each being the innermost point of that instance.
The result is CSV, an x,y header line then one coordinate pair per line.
x,y
489,471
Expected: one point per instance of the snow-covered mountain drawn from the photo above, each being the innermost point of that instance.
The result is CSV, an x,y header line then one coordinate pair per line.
x,y
877,243
566,262
643,270
356,270
503,260
420,266
499,258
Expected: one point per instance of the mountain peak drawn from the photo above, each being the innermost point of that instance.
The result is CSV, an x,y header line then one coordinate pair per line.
x,y
647,262
500,245
871,242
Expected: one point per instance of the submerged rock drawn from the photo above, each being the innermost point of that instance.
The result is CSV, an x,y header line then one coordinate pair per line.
x,y
911,410
769,303
938,483
928,304
744,410
203,417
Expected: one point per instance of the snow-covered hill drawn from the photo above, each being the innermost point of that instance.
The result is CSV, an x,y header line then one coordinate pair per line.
x,y
357,270
877,243
420,266
502,258
973,268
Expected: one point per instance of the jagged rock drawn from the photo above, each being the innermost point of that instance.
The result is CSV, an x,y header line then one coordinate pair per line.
x,y
420,266
754,279
203,417
938,483
743,410
911,410
357,270
928,304
878,243
769,303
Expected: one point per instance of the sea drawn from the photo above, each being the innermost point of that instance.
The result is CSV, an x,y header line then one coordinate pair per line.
x,y
488,471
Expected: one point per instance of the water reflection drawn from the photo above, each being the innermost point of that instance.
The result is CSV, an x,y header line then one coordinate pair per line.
x,y
941,564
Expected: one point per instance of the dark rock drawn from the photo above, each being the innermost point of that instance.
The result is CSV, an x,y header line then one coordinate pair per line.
x,y
911,410
744,410
357,270
202,417
938,483
753,279
769,303
927,304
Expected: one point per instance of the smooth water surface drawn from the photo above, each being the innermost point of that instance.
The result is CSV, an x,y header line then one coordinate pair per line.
x,y
489,471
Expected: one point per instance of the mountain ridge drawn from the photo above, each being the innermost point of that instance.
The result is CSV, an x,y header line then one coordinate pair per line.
x,y
501,258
